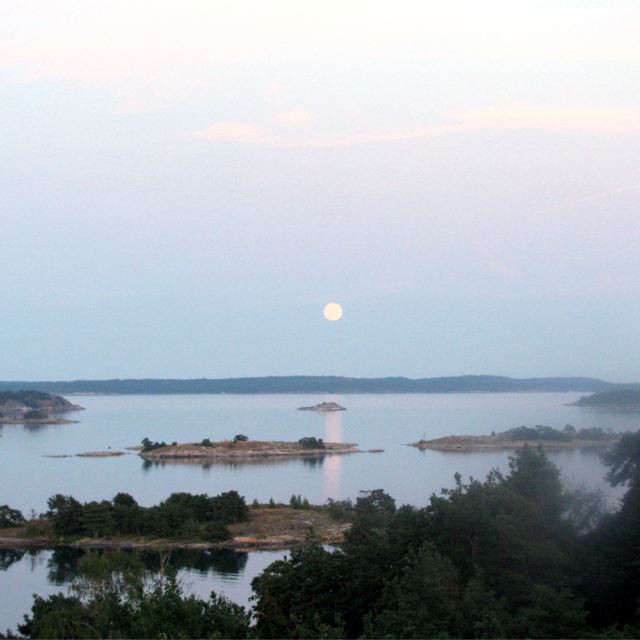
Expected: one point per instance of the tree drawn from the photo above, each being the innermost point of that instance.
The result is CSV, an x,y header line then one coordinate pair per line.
x,y
10,517
67,514
421,602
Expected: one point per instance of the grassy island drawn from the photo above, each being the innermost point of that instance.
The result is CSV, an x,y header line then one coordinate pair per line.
x,y
548,437
243,450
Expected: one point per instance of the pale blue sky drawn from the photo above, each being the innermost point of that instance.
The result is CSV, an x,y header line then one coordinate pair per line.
x,y
184,185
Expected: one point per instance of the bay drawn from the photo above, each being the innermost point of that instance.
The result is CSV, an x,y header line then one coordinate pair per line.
x,y
389,422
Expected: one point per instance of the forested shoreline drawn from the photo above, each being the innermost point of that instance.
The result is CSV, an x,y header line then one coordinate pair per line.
x,y
320,384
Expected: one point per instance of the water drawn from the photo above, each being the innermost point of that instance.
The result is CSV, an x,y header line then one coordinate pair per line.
x,y
28,478
46,572
389,422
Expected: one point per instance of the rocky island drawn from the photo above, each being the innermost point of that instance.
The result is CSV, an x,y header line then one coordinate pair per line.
x,y
517,438
34,407
243,450
324,406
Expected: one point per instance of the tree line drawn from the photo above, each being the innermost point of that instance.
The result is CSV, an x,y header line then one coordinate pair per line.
x,y
181,515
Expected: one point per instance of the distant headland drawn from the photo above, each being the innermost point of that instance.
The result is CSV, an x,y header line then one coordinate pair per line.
x,y
33,407
623,398
320,384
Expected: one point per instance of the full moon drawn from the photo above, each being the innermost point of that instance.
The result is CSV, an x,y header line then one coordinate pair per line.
x,y
332,312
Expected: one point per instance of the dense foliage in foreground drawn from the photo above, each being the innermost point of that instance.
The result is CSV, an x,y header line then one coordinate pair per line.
x,y
514,556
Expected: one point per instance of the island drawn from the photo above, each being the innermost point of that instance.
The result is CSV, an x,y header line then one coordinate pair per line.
x,y
34,407
623,398
182,521
547,437
324,406
238,450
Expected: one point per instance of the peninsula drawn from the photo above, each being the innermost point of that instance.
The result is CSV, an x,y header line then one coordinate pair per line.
x,y
324,406
34,407
624,398
547,437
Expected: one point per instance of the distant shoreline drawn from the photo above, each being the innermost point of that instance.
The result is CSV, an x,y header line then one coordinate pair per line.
x,y
321,385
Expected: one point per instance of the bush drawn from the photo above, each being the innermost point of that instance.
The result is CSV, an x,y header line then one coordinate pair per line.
x,y
148,445
240,438
215,532
311,443
341,510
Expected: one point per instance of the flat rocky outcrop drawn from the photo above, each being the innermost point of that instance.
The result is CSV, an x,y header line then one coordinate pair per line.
x,y
500,441
245,451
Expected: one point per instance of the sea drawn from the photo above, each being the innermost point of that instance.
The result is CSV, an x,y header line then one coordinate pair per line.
x,y
29,476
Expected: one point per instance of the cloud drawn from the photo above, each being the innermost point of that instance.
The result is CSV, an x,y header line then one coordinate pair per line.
x,y
567,119
232,131
295,117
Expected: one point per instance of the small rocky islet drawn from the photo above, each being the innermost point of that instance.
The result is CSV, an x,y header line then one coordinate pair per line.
x,y
324,407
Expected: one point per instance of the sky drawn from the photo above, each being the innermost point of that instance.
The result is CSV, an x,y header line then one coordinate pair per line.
x,y
185,185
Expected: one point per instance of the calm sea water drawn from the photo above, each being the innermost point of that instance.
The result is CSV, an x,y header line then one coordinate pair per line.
x,y
389,422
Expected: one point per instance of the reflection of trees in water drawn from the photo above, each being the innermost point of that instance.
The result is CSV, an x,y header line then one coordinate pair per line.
x,y
9,556
63,563
223,561
313,462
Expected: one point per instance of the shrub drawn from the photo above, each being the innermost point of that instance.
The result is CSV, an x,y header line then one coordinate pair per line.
x,y
240,438
311,443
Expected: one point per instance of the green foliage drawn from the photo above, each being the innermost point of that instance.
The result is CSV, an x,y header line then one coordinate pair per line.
x,y
484,559
205,442
34,414
623,460
148,445
66,513
569,432
118,602
240,438
310,442
341,510
420,602
10,517
300,596
298,502
180,515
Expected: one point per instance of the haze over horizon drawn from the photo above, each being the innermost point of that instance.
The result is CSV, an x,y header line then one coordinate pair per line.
x,y
185,186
